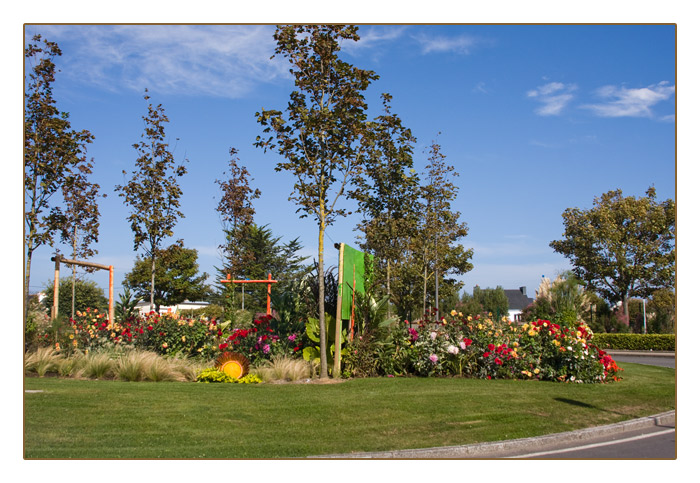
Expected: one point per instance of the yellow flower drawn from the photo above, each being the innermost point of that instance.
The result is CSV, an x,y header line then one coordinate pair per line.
x,y
531,333
469,318
453,312
480,326
71,337
525,326
460,314
183,338
515,344
165,345
113,334
556,342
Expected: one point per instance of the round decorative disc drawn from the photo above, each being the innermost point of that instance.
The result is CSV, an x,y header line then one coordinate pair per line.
x,y
233,369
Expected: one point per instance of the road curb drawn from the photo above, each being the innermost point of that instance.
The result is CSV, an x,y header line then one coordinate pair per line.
x,y
483,450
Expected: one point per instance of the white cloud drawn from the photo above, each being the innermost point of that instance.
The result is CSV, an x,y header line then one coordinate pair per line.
x,y
462,44
624,102
554,97
215,60
371,37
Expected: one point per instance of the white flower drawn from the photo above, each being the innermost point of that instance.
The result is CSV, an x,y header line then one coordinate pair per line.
x,y
433,335
463,345
452,349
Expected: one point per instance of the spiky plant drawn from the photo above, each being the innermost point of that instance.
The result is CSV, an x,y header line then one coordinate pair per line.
x,y
282,368
97,366
44,360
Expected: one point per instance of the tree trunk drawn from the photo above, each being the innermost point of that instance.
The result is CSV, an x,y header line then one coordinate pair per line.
x,y
153,279
75,257
388,287
425,283
26,287
437,298
321,300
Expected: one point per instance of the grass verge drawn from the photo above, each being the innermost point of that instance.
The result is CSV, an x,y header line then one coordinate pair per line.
x,y
113,419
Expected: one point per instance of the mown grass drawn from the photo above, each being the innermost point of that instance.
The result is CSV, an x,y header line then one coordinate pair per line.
x,y
114,419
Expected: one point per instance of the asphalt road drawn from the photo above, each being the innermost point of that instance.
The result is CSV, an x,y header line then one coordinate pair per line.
x,y
654,360
658,442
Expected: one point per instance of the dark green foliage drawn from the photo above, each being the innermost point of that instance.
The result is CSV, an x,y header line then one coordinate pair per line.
x,y
638,342
177,276
486,300
87,295
125,307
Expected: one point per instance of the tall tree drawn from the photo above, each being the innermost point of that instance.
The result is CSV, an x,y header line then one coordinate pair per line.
x,y
388,197
623,246
321,134
177,277
441,228
53,152
236,212
82,217
153,192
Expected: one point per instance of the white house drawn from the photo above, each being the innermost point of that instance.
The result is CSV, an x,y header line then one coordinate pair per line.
x,y
145,307
517,301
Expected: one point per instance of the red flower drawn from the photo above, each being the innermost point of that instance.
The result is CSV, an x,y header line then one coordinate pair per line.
x,y
491,347
467,342
486,354
498,361
223,346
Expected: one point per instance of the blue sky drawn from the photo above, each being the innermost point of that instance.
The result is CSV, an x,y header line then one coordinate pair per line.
x,y
535,118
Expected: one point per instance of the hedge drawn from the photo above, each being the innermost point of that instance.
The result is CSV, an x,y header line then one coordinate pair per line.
x,y
637,342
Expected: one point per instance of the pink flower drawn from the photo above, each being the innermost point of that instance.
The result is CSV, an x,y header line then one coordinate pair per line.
x,y
433,358
292,337
266,348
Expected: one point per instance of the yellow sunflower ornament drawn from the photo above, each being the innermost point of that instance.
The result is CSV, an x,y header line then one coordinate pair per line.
x,y
234,364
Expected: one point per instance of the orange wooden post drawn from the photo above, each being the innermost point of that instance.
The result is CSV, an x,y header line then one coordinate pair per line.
x,y
269,283
54,309
269,291
111,293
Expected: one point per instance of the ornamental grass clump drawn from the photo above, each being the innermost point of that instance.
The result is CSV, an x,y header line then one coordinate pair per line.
x,y
282,368
43,361
99,365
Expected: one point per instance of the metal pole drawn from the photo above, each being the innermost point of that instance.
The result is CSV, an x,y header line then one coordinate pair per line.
x,y
644,309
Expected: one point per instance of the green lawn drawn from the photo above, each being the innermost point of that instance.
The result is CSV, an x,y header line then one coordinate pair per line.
x,y
109,419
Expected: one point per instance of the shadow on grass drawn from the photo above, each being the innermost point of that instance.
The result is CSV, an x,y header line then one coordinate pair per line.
x,y
582,404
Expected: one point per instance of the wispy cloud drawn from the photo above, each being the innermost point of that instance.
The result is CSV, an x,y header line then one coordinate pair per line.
x,y
554,97
214,60
624,102
462,44
480,87
373,37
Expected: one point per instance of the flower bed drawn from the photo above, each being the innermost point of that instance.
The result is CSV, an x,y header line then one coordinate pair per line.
x,y
171,334
484,348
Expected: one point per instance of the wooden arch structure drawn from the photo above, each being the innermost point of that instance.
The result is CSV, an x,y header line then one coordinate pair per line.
x,y
58,259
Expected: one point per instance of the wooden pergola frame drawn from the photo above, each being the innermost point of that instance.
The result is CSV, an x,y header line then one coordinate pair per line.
x,y
269,283
58,259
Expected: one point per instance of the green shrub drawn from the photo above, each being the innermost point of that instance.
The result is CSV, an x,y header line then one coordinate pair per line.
x,y
639,342
213,375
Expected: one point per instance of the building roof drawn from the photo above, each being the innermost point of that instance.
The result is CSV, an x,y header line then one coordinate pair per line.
x,y
517,300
